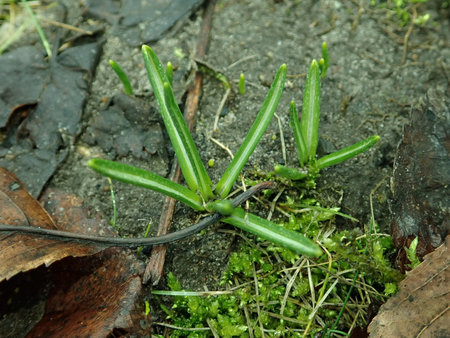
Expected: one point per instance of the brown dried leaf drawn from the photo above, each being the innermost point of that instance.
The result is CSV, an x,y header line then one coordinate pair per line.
x,y
421,308
93,295
24,252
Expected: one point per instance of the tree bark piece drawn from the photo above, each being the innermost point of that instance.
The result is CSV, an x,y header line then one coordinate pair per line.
x,y
421,200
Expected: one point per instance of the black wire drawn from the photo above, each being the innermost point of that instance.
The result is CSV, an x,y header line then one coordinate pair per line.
x,y
134,242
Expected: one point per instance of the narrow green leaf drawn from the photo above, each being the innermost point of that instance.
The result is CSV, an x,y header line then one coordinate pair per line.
x,y
145,179
411,253
41,33
193,170
290,173
326,60
242,84
122,76
254,135
346,153
295,126
192,157
309,124
273,233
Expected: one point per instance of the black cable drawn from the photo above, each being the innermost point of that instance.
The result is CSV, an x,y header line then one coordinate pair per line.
x,y
134,242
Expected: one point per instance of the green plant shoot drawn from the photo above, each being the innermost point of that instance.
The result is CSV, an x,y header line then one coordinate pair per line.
x,y
193,170
295,126
254,135
309,124
277,234
38,27
346,153
324,62
242,84
200,196
411,253
306,131
146,179
122,76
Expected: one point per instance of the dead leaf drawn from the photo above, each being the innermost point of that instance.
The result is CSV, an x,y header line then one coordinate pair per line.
x,y
86,291
93,295
24,252
421,307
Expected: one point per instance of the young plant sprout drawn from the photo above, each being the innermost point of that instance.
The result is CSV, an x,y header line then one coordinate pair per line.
x,y
200,194
306,131
122,76
242,84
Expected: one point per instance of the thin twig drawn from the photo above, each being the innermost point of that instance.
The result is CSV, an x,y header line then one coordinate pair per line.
x,y
224,147
246,58
283,147
182,328
258,309
219,110
408,33
67,26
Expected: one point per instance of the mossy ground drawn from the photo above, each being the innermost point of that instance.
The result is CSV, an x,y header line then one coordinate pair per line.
x,y
273,292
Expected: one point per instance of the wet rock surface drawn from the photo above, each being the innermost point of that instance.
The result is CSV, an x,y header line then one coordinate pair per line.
x,y
142,21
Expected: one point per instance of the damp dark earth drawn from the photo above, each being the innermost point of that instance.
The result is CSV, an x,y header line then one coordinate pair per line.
x,y
388,76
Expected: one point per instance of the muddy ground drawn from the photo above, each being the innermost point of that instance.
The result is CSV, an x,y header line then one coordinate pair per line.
x,y
369,89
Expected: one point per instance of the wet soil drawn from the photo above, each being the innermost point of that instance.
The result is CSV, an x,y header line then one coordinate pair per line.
x,y
370,88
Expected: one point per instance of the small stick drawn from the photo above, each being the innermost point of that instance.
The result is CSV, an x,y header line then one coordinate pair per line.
x,y
133,242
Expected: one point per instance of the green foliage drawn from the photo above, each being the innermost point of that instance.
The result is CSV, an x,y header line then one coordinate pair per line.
x,y
187,154
282,301
324,62
374,265
390,289
403,9
122,76
145,179
255,133
221,313
278,289
412,254
225,207
306,130
199,195
242,84
38,27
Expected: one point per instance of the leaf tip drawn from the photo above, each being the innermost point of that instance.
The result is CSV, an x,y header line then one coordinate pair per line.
x,y
317,251
91,162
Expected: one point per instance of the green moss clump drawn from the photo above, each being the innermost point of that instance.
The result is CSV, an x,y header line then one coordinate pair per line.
x,y
278,291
